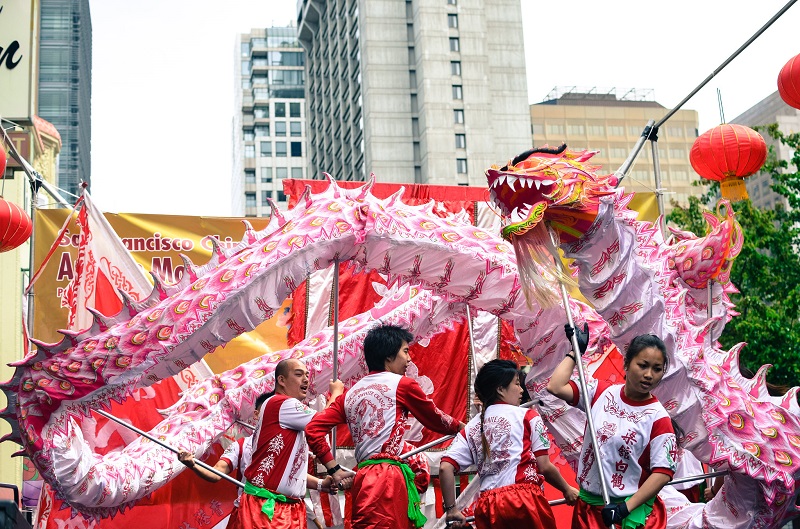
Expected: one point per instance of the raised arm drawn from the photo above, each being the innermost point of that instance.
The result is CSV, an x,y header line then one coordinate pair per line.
x,y
559,384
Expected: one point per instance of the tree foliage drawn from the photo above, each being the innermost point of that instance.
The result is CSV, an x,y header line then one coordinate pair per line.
x,y
767,271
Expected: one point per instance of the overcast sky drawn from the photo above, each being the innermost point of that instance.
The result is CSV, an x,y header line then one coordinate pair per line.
x,y
162,81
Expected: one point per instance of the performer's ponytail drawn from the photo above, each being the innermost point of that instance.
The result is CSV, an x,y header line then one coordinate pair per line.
x,y
492,376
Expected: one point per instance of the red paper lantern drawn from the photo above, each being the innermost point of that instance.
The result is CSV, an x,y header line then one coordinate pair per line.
x,y
729,153
3,161
15,225
789,82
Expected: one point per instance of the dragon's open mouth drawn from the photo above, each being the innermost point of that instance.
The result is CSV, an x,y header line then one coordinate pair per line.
x,y
557,182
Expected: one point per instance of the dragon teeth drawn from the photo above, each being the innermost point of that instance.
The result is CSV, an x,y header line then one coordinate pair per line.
x,y
511,180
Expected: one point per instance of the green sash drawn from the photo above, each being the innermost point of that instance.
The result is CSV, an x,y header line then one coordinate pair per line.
x,y
636,518
269,506
414,502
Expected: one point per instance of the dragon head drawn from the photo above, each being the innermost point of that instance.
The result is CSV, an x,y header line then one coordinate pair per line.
x,y
551,184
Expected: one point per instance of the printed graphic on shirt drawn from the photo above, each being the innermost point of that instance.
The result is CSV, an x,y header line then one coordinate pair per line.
x,y
366,413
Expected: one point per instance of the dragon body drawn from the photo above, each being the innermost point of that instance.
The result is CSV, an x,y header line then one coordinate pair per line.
x,y
436,267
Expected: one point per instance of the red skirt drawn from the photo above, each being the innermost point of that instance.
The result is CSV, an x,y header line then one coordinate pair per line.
x,y
380,498
585,516
249,515
513,507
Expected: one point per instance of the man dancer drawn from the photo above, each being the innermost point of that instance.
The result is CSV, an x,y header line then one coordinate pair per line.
x,y
376,409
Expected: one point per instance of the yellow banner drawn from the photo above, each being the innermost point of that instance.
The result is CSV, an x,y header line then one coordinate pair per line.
x,y
155,241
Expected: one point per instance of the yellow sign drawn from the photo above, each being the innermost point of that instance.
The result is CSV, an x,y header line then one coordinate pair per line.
x,y
156,242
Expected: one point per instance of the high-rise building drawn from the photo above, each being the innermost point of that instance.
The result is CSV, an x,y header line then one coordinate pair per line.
x,y
611,121
65,85
269,126
771,109
429,91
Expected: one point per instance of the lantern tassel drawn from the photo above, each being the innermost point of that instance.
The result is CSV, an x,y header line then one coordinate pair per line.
x,y
734,189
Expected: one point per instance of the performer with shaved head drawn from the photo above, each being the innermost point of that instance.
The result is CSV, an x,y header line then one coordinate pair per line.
x,y
277,478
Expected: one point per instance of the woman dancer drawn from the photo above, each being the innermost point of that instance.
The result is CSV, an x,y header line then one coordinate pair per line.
x,y
634,434
510,446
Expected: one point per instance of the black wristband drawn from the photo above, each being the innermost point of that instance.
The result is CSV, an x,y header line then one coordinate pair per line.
x,y
447,508
334,470
570,355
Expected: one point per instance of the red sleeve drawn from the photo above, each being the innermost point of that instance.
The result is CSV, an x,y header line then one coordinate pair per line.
x,y
576,393
662,470
322,423
411,396
451,461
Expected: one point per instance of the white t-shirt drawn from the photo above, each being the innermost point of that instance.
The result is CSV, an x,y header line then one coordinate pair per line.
x,y
516,436
635,439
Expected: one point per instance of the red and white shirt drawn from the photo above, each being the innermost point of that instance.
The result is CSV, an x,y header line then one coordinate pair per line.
x,y
516,436
635,439
376,410
280,452
238,456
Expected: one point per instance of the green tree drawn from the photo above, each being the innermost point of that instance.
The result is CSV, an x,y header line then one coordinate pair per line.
x,y
767,271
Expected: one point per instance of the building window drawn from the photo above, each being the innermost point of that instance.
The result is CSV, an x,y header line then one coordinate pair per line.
x,y
597,130
250,200
616,130
296,128
281,196
280,149
294,110
249,136
246,84
297,172
266,175
245,67
245,49
280,128
280,110
461,165
675,132
281,173
461,141
458,92
555,129
455,67
618,152
452,21
249,176
454,44
262,130
266,149
249,151
576,129
297,148
261,112
677,153
451,2
458,116
265,196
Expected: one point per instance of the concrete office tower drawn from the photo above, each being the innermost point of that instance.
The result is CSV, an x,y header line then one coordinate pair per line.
x,y
65,86
424,91
611,121
269,139
770,110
